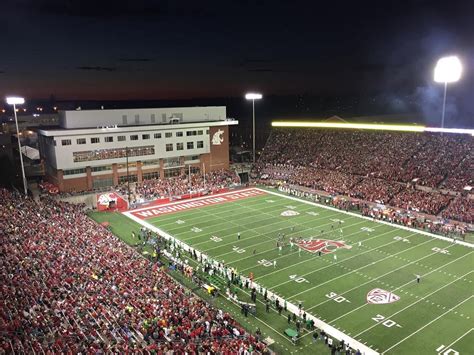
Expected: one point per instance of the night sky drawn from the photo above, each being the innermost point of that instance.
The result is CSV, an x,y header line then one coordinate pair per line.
x,y
145,49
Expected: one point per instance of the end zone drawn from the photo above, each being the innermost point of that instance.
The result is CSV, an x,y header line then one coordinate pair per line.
x,y
178,206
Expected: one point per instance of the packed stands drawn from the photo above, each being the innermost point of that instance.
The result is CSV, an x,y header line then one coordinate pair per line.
x,y
181,185
461,209
69,286
381,167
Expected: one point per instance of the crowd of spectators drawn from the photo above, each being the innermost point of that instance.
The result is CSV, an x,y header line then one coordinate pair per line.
x,y
380,167
69,286
461,209
421,201
181,185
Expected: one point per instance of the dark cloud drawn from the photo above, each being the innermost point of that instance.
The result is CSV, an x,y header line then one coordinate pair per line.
x,y
97,68
101,9
135,60
2,72
261,70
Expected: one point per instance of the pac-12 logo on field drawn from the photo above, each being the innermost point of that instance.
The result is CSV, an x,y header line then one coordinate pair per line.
x,y
322,245
289,213
379,296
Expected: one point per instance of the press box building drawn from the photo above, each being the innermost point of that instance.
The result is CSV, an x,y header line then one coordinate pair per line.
x,y
90,149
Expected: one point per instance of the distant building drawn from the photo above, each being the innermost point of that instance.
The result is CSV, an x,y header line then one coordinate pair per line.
x,y
90,149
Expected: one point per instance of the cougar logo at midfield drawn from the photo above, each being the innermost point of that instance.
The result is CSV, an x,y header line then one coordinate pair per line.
x,y
322,245
379,296
217,138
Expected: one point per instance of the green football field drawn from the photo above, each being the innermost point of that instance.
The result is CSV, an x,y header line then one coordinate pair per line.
x,y
363,283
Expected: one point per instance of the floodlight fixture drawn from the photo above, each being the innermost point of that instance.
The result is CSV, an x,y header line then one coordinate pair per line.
x,y
16,100
253,96
448,70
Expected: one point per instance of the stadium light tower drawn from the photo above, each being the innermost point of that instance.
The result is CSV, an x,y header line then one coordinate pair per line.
x,y
12,100
253,96
447,70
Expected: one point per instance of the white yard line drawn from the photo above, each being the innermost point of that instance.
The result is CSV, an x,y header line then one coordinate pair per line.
x,y
296,247
369,219
355,270
394,289
226,222
454,342
303,261
412,304
247,238
253,245
427,324
190,216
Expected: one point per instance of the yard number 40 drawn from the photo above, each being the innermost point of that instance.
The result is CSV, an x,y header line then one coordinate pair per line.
x,y
385,321
298,279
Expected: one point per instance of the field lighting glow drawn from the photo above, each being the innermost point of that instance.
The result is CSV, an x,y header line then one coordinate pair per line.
x,y
371,126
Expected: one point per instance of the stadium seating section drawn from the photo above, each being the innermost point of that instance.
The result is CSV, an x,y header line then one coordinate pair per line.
x,y
382,167
69,286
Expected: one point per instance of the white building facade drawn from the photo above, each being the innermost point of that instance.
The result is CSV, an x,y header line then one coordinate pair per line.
x,y
90,149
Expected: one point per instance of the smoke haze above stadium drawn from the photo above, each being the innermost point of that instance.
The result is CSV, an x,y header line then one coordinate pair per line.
x,y
144,49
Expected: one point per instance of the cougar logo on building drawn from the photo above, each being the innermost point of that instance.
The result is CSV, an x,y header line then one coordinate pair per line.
x,y
322,245
105,199
218,138
379,296
289,213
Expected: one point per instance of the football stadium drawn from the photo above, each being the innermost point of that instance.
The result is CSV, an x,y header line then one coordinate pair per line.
x,y
341,238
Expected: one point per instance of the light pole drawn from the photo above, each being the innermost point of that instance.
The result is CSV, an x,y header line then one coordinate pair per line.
x,y
18,101
253,96
447,70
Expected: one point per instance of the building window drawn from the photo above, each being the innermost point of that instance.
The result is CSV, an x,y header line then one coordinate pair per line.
x,y
179,146
172,172
145,136
157,135
124,119
200,144
191,133
163,117
153,118
95,140
125,178
151,162
179,134
121,138
104,154
81,141
190,145
200,132
99,183
169,147
189,158
168,135
66,142
207,131
134,137
74,171
137,119
152,175
101,168
109,139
